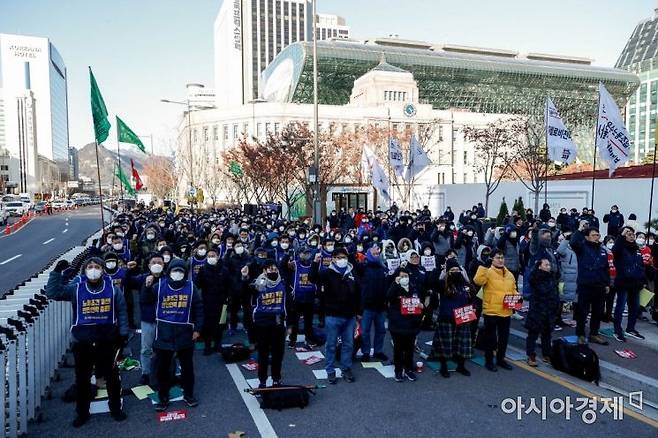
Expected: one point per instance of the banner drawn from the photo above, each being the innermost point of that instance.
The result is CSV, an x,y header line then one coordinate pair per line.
x,y
138,180
558,138
612,138
98,111
395,156
366,163
126,135
379,179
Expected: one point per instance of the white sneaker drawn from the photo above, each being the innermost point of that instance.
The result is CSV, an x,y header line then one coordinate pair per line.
x,y
517,317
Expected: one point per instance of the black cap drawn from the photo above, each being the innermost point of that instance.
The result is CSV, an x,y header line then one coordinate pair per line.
x,y
340,251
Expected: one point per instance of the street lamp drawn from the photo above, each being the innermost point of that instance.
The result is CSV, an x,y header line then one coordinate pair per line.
x,y
317,212
189,131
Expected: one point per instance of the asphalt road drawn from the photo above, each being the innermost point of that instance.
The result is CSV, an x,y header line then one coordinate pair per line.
x,y
28,251
371,407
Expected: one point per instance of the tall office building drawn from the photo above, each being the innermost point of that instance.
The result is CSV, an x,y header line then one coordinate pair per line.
x,y
248,34
331,26
640,55
34,120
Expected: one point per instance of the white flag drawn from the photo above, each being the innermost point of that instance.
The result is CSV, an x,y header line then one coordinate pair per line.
x,y
558,138
379,179
366,163
612,138
395,156
418,159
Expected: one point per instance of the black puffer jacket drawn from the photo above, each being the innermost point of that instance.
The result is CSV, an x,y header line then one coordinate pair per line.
x,y
342,297
544,300
397,322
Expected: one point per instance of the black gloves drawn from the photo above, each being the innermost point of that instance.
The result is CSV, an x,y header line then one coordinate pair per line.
x,y
61,266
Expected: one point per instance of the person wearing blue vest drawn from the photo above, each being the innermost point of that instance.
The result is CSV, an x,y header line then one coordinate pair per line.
x,y
179,321
303,296
99,331
269,302
198,259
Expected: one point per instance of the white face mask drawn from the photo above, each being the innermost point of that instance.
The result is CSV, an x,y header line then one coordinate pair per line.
x,y
156,269
341,263
216,241
404,281
650,242
111,265
177,275
275,243
150,236
610,245
330,248
239,250
348,240
117,246
159,247
212,261
427,252
166,258
201,252
93,273
285,246
640,241
359,248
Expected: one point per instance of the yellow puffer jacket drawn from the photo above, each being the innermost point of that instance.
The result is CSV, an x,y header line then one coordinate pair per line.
x,y
496,283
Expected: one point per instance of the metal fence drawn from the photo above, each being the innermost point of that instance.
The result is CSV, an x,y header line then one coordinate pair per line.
x,y
34,337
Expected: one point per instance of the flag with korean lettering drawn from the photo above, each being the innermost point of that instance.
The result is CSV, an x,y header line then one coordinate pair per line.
x,y
395,156
612,139
561,148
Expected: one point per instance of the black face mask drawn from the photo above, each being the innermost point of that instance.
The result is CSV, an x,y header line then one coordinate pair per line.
x,y
272,276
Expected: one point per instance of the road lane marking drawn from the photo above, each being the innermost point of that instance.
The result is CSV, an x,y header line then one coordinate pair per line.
x,y
582,391
65,231
48,241
9,260
260,419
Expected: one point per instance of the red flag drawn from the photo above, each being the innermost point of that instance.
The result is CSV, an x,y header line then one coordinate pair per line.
x,y
138,180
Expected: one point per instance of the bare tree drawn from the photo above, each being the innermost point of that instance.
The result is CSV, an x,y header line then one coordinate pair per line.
x,y
162,179
492,144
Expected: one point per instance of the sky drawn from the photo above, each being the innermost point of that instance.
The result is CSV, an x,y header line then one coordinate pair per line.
x,y
142,51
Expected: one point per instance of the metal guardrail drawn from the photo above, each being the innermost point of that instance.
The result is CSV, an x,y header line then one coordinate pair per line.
x,y
34,337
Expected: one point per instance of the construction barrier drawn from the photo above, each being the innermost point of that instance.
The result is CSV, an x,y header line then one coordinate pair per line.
x,y
34,337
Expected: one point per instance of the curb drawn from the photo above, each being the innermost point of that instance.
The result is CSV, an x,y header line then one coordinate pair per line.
x,y
611,374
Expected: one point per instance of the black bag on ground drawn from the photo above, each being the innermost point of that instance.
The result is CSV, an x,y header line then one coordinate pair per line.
x,y
235,353
577,360
283,397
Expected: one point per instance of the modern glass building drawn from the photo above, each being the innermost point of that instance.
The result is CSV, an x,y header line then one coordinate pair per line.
x,y
450,77
640,56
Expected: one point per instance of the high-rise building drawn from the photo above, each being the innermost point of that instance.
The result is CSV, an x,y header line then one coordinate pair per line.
x,y
248,34
33,113
331,26
73,165
640,55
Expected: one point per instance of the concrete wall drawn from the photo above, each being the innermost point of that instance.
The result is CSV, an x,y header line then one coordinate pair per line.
x,y
631,195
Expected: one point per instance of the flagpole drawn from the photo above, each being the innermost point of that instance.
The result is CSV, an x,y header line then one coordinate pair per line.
x,y
119,158
653,179
388,152
100,190
596,133
546,139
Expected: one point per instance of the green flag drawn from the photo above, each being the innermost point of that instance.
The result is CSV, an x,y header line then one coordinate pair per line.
x,y
126,135
98,111
124,180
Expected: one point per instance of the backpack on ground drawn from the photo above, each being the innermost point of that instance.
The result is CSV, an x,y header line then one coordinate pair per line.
x,y
577,360
284,397
235,353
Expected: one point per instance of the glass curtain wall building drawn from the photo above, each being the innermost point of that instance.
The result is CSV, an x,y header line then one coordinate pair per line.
x,y
640,56
494,82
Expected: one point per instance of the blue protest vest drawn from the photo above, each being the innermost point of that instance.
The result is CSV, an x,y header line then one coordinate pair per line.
x,y
303,290
174,305
125,256
272,299
118,278
325,259
94,308
195,266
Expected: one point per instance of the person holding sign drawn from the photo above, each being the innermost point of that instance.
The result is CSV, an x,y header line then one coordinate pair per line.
x,y
179,321
405,308
98,332
452,337
497,282
543,311
269,300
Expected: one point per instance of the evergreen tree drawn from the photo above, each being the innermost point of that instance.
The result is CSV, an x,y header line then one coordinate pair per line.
x,y
521,208
502,213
